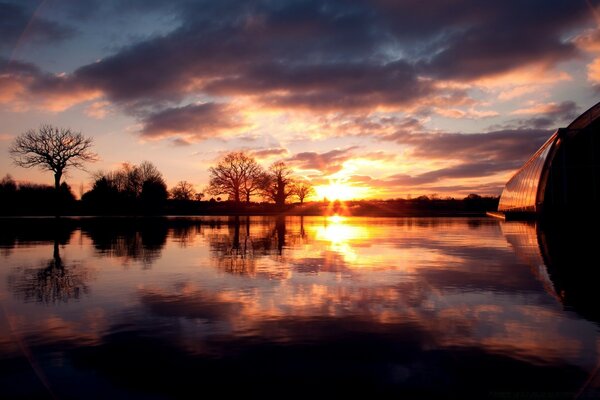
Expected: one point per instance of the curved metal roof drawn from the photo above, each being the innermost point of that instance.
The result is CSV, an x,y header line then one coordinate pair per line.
x,y
524,190
586,118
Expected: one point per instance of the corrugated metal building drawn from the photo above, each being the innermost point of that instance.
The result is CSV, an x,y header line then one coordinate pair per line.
x,y
562,177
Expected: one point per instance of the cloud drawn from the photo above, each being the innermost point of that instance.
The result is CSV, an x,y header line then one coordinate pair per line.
x,y
194,121
497,145
476,169
545,115
588,40
270,152
593,71
342,56
566,107
98,109
477,155
478,43
19,23
25,86
327,163
328,86
469,114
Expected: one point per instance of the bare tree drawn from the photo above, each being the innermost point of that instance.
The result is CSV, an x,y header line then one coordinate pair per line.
x,y
278,183
183,191
52,149
252,183
236,175
303,189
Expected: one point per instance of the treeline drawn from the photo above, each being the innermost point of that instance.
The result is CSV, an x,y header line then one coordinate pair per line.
x,y
33,199
238,185
132,189
239,177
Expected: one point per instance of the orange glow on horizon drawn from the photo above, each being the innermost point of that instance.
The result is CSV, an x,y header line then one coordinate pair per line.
x,y
337,190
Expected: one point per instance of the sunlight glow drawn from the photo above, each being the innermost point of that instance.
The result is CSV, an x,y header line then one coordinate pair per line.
x,y
336,219
340,191
341,235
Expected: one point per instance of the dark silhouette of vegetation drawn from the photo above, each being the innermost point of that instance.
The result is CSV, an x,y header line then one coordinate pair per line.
x,y
183,191
33,199
141,190
52,149
278,183
131,189
303,189
237,175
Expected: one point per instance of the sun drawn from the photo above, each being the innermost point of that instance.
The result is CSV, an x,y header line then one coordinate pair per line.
x,y
339,191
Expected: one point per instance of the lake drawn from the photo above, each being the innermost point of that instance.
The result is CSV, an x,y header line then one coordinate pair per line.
x,y
297,306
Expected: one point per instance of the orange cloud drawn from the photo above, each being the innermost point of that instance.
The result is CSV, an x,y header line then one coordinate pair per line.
x,y
593,71
97,110
469,114
539,108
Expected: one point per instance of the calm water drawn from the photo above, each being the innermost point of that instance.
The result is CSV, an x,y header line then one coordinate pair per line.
x,y
267,307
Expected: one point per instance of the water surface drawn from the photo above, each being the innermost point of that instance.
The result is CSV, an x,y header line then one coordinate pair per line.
x,y
274,307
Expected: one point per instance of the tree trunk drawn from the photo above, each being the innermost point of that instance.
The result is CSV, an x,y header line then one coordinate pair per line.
x,y
57,205
280,196
56,253
57,176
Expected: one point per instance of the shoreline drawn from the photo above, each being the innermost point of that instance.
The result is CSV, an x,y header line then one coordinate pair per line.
x,y
283,214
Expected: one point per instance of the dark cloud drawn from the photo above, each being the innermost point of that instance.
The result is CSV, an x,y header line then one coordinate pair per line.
x,y
329,162
332,54
198,121
481,40
463,170
19,69
338,86
550,116
499,146
478,155
16,21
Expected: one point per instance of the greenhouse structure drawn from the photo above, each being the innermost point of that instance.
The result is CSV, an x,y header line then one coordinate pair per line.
x,y
562,177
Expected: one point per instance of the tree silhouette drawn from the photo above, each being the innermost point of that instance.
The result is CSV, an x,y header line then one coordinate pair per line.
x,y
183,191
52,149
236,175
303,189
127,187
278,183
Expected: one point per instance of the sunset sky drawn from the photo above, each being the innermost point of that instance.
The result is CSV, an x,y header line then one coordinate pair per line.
x,y
377,99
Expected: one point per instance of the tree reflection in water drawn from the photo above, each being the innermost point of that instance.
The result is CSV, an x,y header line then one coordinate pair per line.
x,y
55,282
129,239
238,249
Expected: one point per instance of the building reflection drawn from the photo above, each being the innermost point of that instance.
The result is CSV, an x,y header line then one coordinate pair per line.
x,y
562,256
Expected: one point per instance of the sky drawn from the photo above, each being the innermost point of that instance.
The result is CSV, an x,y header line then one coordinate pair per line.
x,y
366,99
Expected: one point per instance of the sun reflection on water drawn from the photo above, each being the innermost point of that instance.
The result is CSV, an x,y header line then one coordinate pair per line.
x,y
342,236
